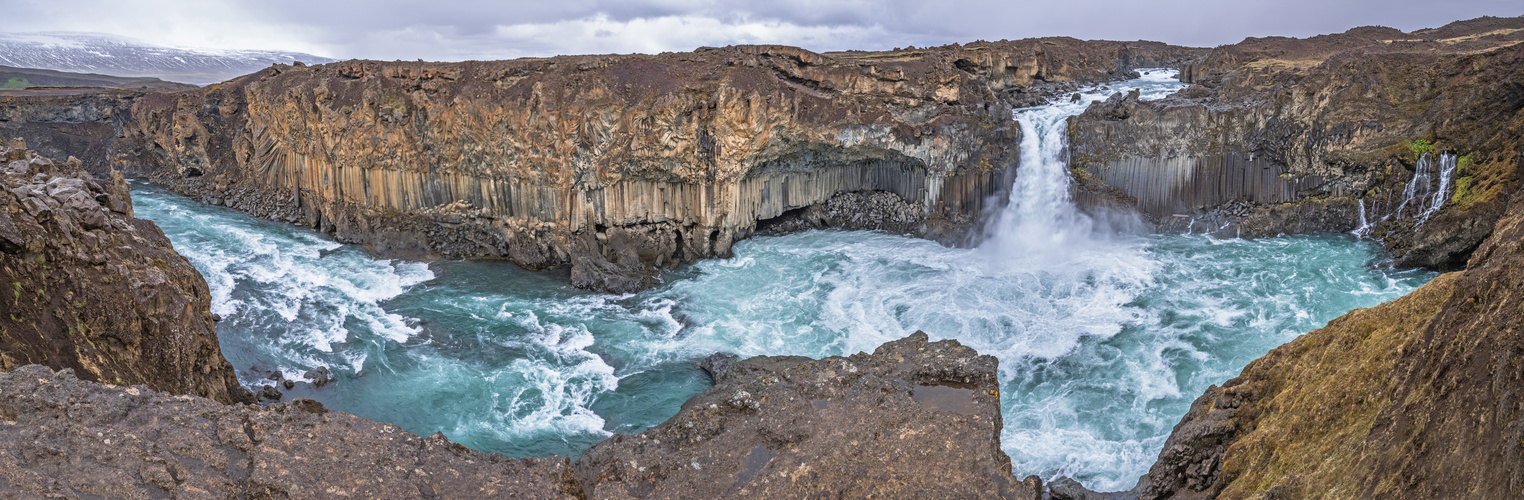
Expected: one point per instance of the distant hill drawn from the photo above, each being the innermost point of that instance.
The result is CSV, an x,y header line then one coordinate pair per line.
x,y
129,57
15,78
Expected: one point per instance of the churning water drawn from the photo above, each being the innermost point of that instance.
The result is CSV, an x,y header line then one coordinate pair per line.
x,y
1104,337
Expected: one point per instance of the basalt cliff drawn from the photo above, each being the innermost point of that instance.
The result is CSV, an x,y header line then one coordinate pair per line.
x,y
619,166
1331,133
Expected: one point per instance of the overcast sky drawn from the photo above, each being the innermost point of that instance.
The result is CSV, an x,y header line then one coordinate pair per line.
x,y
483,29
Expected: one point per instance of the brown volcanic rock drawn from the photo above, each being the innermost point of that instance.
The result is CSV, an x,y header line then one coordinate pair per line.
x,y
1324,123
620,166
63,437
91,288
1421,397
915,419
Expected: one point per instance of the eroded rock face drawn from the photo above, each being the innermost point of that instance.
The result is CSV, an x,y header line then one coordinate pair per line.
x,y
915,419
619,166
90,288
1308,130
1416,398
61,436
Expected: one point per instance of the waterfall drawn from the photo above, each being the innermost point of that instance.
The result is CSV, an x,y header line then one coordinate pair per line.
x,y
1437,199
1365,224
1426,198
1040,219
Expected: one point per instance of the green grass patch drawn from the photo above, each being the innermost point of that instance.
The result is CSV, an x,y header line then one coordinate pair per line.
x,y
16,82
1419,147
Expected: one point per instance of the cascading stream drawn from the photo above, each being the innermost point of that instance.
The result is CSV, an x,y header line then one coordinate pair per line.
x,y
1420,192
1104,337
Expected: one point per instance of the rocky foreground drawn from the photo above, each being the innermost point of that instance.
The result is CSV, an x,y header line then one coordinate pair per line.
x,y
61,437
915,419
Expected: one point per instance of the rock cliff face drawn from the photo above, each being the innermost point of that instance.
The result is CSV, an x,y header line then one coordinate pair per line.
x,y
61,437
915,419
90,288
1326,125
63,122
620,166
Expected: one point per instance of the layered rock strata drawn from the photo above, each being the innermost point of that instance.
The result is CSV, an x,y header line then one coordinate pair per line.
x,y
61,437
915,419
620,166
1309,130
90,288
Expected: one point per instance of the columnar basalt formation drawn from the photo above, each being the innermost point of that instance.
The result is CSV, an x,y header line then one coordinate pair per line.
x,y
1326,124
90,288
620,166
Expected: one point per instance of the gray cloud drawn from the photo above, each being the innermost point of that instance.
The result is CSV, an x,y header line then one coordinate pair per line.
x,y
481,29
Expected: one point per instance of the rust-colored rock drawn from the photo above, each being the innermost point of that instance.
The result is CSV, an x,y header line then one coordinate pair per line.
x,y
90,288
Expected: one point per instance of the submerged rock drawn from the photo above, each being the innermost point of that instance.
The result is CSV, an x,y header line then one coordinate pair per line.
x,y
915,419
319,376
68,438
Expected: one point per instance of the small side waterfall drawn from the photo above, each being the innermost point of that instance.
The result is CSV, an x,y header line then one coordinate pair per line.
x,y
1421,198
1364,226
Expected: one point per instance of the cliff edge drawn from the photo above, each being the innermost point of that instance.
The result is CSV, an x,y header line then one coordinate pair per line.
x,y
90,288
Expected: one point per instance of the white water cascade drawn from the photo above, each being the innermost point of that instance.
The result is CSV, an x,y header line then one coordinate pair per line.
x,y
1420,192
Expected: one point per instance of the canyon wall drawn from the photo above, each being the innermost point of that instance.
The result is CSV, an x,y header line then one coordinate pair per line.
x,y
621,166
1307,131
92,289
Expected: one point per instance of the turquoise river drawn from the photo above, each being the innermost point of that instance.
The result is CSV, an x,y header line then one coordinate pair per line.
x,y
1105,333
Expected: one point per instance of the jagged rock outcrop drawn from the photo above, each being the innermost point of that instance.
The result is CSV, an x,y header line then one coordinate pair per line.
x,y
1325,124
620,166
90,288
61,437
915,419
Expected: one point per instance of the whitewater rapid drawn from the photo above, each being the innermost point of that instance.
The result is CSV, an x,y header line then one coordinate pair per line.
x,y
1104,336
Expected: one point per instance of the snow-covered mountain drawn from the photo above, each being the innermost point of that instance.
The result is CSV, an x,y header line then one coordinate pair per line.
x,y
122,56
